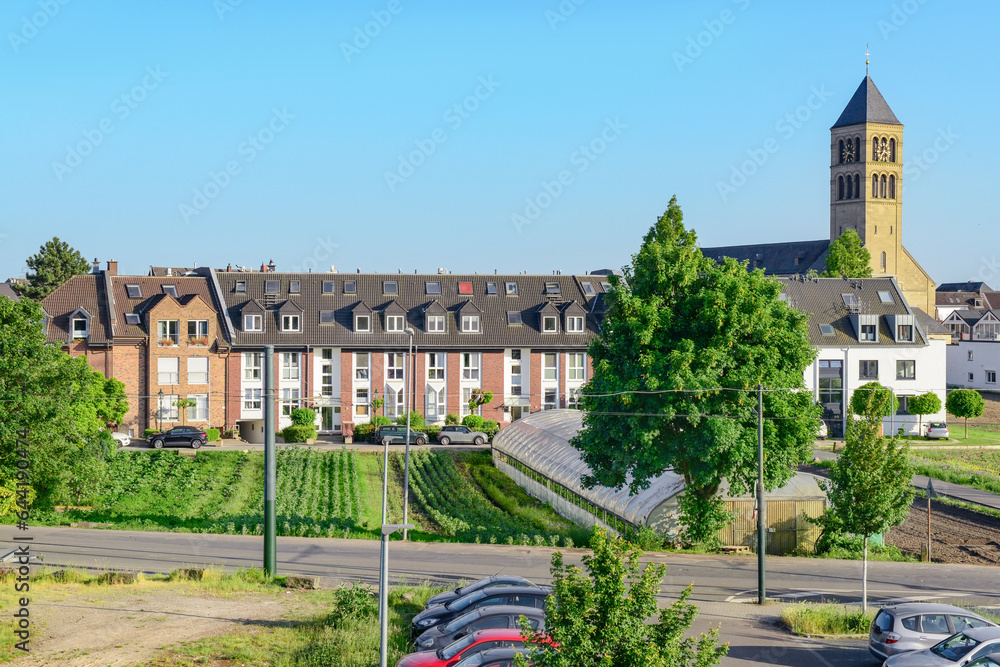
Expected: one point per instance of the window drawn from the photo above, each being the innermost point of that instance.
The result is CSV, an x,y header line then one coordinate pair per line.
x,y
515,374
972,377
168,370
470,366
588,289
436,408
553,288
289,401
868,370
394,366
168,331
170,290
991,377
362,323
361,365
197,332
904,332
290,322
470,323
885,297
515,355
435,365
577,367
327,317
272,286
867,332
906,370
491,288
551,366
551,400
606,286
904,405
970,355
394,323
573,398
466,397
514,317
350,287
826,329
361,401
394,406
294,286
253,323
435,323
515,390
197,370
168,407
251,365
432,287
132,318
510,289
549,324
134,291
251,399
465,287
81,327
329,287
326,374
574,324
241,286
199,411
289,365
389,287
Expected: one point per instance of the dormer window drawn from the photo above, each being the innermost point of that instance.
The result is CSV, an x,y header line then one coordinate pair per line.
x,y
904,333
362,323
272,286
867,332
549,324
81,326
574,324
253,323
290,323
435,323
470,323
465,287
390,287
134,291
170,290
979,303
394,323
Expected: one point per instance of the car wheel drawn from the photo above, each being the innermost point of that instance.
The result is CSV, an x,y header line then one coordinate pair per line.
x,y
157,443
445,440
196,443
479,440
421,441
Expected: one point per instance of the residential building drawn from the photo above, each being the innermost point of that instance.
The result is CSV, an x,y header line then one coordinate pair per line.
x,y
970,295
973,364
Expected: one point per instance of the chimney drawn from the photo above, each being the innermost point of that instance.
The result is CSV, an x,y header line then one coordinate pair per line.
x,y
229,267
95,265
263,268
112,267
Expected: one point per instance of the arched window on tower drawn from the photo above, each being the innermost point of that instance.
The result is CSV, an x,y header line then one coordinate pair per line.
x,y
840,152
874,148
860,149
881,189
882,261
857,186
892,150
892,186
850,187
874,185
840,187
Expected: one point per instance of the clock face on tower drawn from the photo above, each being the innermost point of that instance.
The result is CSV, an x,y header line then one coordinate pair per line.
x,y
848,153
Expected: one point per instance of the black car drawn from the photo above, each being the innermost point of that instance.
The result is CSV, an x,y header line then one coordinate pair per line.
x,y
179,436
495,580
395,434
500,616
523,596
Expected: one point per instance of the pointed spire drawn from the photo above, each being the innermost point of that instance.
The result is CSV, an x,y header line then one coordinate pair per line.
x,y
867,106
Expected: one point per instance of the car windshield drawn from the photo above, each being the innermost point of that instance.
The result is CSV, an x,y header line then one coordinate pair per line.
x,y
456,647
462,621
955,647
464,602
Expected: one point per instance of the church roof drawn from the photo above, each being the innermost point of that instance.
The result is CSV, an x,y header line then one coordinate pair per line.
x,y
867,106
776,259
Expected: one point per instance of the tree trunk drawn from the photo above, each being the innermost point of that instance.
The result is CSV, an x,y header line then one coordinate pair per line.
x,y
966,428
864,575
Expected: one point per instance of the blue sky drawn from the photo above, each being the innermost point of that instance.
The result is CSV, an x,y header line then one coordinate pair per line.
x,y
517,136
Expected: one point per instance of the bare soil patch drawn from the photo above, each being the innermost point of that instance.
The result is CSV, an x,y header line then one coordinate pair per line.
x,y
990,419
958,535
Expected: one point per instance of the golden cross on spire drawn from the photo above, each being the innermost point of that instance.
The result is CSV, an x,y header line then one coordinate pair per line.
x,y
866,59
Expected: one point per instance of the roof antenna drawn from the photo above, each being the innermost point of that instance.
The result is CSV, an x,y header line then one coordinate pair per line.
x,y
866,59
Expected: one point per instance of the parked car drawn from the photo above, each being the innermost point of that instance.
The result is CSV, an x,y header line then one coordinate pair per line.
x,y
982,662
918,625
959,649
504,657
189,436
396,435
523,596
501,616
123,439
463,648
495,580
937,430
461,435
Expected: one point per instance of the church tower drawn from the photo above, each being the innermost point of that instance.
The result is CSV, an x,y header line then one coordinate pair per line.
x,y
866,188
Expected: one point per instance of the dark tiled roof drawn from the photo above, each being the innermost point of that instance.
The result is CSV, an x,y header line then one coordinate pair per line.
x,y
411,294
151,288
776,259
954,298
8,291
928,324
84,291
992,299
970,317
966,287
867,106
822,299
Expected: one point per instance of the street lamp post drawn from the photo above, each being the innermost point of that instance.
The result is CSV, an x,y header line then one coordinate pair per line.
x,y
406,398
383,586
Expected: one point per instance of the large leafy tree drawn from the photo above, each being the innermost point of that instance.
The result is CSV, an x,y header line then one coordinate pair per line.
x,y
55,408
925,404
869,489
683,346
599,617
847,258
965,403
55,263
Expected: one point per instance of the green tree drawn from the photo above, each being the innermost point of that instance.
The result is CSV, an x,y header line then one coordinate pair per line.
x,y
873,395
925,404
600,617
869,489
55,263
965,403
683,346
847,258
479,397
182,404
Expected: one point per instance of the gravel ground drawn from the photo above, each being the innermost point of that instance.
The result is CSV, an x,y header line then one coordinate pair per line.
x,y
957,535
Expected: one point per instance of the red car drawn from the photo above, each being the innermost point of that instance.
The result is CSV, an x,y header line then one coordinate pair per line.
x,y
464,647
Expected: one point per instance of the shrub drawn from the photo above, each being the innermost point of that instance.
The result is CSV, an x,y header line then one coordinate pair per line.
x,y
213,434
490,428
148,432
451,418
416,420
356,602
298,433
363,432
303,416
432,431
381,420
474,421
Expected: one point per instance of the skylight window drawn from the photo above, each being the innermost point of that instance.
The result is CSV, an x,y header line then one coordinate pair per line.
x,y
241,286
885,297
553,288
326,317
170,290
826,329
606,286
390,287
294,286
432,287
350,287
851,300
588,289
272,286
511,289
329,287
131,318
465,287
134,291
514,317
491,288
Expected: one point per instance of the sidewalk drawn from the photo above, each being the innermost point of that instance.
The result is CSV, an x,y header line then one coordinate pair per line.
x,y
955,491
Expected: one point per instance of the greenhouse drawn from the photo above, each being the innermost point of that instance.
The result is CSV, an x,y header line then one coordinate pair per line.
x,y
535,452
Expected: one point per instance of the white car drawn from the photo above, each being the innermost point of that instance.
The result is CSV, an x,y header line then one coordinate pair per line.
x,y
937,430
959,649
123,439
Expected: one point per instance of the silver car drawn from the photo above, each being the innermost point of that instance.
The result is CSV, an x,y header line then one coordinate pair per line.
x,y
959,649
500,616
461,435
918,625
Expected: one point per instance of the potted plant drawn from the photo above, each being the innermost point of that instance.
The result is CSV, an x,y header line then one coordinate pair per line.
x,y
166,342
348,430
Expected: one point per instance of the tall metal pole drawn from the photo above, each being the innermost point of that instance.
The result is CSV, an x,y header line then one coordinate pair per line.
x,y
406,467
270,477
761,506
383,587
